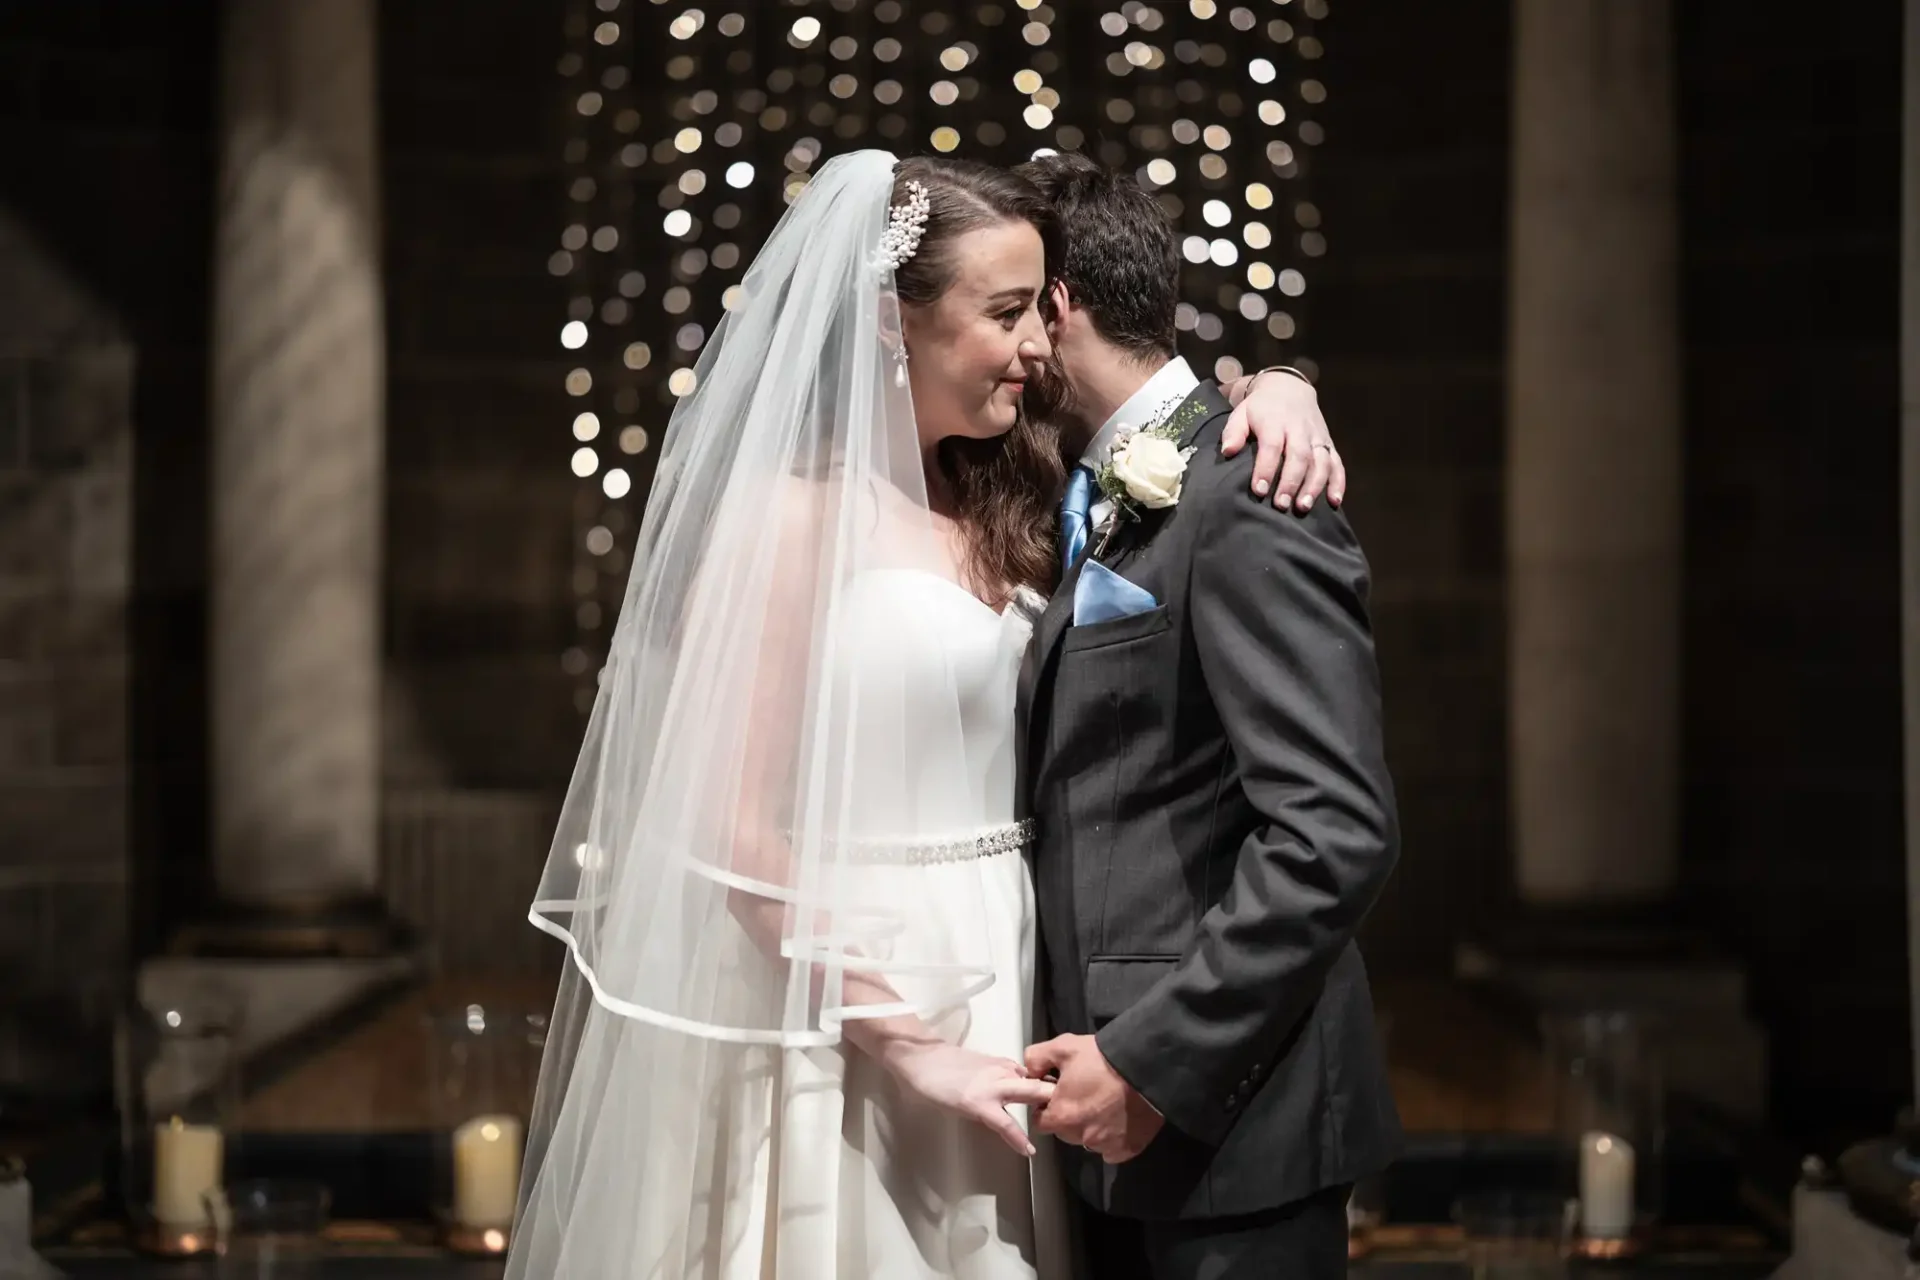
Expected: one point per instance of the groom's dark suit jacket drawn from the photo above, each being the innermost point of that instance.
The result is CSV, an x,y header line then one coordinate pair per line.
x,y
1214,820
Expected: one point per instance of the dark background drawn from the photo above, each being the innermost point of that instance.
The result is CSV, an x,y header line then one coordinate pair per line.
x,y
1792,850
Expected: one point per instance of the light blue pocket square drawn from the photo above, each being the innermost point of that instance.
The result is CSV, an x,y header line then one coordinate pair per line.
x,y
1102,595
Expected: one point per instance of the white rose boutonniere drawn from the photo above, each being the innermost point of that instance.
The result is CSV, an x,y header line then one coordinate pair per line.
x,y
1145,470
1151,468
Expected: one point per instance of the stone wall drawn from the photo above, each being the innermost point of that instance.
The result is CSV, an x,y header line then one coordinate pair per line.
x,y
1791,849
479,503
1791,840
1410,335
104,118
1791,155
66,381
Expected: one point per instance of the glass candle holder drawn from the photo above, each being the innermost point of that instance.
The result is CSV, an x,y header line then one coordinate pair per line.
x,y
486,1064
269,1228
1610,1121
1515,1235
18,1261
177,1091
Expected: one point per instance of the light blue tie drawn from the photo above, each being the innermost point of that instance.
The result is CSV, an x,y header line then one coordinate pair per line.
x,y
1076,513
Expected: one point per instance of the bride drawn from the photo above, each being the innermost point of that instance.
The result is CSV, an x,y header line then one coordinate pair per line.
x,y
788,869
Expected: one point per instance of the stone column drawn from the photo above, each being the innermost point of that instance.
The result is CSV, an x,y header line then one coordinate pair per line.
x,y
1910,497
1593,454
299,389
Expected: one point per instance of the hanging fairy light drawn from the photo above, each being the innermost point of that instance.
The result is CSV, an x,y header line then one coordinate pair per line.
x,y
693,125
606,271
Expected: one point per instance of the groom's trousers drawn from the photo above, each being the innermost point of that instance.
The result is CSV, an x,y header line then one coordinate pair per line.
x,y
1305,1240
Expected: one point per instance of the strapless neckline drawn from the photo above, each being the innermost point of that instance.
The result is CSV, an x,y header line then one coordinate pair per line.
x,y
1024,601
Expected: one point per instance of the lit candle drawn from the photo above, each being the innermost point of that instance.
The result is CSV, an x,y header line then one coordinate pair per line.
x,y
1606,1187
186,1165
486,1171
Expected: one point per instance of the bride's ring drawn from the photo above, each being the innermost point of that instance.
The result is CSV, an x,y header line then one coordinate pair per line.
x,y
1327,447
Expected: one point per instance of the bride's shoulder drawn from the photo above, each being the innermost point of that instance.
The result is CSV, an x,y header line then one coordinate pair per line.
x,y
799,501
806,510
802,506
808,505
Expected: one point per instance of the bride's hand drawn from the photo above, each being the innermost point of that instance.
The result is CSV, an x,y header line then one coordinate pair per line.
x,y
977,1085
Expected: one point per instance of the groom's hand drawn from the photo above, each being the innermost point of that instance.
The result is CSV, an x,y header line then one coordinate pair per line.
x,y
1092,1106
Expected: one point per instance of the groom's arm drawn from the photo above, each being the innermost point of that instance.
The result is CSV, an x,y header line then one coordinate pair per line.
x,y
1278,610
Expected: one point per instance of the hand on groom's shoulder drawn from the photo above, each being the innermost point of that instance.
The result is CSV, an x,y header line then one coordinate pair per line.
x,y
1238,523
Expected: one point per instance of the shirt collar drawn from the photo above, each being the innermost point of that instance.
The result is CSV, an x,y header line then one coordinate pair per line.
x,y
1173,381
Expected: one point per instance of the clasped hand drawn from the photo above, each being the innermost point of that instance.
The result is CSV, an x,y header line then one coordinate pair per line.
x,y
977,1085
1092,1106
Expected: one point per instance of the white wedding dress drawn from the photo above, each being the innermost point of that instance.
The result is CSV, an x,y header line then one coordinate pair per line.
x,y
873,1183
798,779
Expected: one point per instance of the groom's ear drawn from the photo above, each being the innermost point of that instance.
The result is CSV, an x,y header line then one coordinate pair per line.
x,y
1059,303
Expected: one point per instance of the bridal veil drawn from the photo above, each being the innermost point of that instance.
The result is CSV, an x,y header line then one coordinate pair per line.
x,y
699,872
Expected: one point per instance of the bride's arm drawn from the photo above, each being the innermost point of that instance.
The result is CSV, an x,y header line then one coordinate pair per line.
x,y
975,1084
1280,409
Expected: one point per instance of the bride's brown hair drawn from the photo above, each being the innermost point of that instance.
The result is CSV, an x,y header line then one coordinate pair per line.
x,y
1005,488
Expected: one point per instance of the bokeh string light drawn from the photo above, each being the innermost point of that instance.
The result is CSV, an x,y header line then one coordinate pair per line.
x,y
692,126
599,257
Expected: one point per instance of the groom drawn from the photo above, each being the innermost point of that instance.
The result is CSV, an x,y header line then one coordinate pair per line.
x,y
1201,720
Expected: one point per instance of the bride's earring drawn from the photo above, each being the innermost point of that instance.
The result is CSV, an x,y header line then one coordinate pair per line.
x,y
900,367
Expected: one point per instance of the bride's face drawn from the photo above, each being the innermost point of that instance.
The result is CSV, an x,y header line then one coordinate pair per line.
x,y
972,349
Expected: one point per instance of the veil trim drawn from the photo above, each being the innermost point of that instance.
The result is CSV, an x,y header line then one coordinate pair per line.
x,y
829,1032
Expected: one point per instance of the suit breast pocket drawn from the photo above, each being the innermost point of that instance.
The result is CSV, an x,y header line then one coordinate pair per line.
x,y
1121,680
1130,665
1099,635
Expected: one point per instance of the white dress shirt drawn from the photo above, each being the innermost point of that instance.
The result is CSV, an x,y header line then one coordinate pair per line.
x,y
1157,396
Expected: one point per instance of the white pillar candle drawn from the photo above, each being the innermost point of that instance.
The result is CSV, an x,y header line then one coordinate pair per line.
x,y
486,1171
186,1165
1606,1187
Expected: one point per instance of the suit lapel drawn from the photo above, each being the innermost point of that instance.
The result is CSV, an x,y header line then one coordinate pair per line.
x,y
1036,674
1058,614
1202,404
1201,407
1131,536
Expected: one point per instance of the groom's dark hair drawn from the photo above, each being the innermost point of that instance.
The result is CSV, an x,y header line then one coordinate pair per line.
x,y
1122,261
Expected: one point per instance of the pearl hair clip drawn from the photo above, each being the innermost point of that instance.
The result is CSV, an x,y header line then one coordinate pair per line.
x,y
905,224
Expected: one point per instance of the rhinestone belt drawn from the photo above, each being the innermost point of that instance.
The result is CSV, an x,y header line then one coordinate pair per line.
x,y
1007,838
